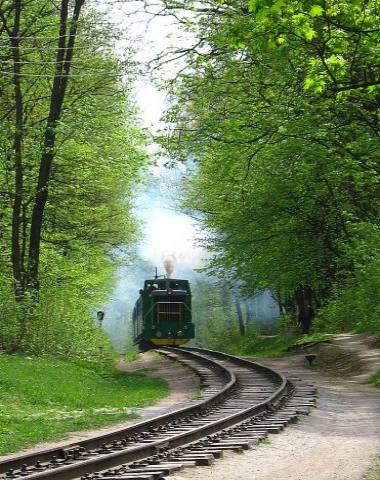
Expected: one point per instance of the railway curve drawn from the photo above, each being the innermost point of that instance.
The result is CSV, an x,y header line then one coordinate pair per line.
x,y
240,403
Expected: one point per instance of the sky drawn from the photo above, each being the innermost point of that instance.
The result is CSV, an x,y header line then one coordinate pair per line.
x,y
168,232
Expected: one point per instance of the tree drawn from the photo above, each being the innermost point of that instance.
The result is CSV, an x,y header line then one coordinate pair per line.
x,y
71,151
278,111
218,313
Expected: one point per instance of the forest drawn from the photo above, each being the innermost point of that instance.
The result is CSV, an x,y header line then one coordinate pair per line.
x,y
71,149
277,110
274,112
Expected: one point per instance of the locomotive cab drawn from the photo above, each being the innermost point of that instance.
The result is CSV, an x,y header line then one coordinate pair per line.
x,y
162,314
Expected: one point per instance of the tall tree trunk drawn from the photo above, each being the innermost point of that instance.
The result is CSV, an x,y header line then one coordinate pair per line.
x,y
249,313
240,316
304,300
17,261
66,44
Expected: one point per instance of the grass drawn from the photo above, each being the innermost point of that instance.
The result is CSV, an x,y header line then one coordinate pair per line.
x,y
375,379
374,471
44,398
132,356
254,344
250,345
265,441
314,337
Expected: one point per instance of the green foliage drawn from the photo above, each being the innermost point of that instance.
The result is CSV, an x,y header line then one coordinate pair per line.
x,y
252,344
63,321
277,112
315,337
217,325
93,143
347,31
375,380
354,307
10,314
265,441
374,471
132,356
44,398
63,324
354,304
287,326
213,314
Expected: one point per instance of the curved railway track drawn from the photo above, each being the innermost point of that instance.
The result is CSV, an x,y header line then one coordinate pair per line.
x,y
240,403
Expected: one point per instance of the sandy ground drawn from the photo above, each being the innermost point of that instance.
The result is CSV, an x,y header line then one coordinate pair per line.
x,y
183,383
339,440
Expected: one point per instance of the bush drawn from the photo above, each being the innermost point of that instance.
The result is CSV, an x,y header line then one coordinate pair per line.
x,y
354,307
355,301
63,324
287,326
10,313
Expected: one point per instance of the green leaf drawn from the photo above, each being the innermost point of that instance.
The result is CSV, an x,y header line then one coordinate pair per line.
x,y
373,88
309,83
278,5
309,34
253,5
316,11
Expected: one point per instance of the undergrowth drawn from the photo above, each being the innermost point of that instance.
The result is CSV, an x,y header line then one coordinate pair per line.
x,y
252,344
255,344
375,379
132,356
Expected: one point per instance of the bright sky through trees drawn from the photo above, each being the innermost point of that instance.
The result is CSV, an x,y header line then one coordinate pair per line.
x,y
167,231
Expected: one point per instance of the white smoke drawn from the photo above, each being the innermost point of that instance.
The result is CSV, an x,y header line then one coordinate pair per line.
x,y
170,239
170,261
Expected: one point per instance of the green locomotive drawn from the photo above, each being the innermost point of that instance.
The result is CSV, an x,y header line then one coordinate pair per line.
x,y
162,314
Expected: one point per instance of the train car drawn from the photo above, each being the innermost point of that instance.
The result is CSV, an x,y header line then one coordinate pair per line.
x,y
162,314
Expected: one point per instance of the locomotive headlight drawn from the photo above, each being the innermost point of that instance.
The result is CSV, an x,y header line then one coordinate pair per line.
x,y
180,334
158,334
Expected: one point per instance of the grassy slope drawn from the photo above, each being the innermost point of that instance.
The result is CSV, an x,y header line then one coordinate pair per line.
x,y
42,399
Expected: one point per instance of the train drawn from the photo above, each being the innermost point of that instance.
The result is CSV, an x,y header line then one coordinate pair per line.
x,y
162,314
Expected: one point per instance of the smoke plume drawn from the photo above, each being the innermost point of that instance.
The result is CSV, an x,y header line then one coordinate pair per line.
x,y
169,262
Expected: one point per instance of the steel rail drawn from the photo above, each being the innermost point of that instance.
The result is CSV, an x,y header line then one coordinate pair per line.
x,y
79,467
281,379
121,433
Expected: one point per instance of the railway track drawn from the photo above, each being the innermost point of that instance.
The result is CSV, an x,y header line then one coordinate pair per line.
x,y
241,402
